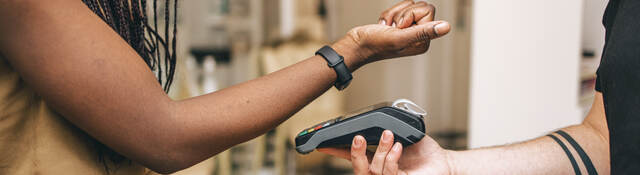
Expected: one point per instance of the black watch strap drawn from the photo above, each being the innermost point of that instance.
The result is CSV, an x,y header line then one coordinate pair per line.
x,y
336,62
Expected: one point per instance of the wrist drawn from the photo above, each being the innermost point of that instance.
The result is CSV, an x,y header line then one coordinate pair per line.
x,y
353,54
451,161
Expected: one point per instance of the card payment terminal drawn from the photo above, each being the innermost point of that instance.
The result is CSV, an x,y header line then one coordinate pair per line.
x,y
403,117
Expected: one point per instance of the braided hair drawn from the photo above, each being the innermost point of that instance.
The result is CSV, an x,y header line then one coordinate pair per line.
x,y
129,19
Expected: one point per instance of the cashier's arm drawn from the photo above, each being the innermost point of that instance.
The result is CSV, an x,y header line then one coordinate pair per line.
x,y
542,155
93,78
539,156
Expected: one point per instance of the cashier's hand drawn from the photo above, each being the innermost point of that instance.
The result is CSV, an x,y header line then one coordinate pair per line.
x,y
405,29
424,157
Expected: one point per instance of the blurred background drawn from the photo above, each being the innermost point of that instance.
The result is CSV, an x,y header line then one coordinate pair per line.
x,y
508,71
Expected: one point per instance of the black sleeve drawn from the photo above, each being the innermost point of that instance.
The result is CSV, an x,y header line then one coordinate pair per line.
x,y
619,81
598,88
607,21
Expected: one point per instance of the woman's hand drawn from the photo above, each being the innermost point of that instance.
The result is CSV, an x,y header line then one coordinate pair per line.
x,y
403,30
424,157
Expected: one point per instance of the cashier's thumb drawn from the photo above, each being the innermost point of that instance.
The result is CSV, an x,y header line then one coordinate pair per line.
x,y
428,31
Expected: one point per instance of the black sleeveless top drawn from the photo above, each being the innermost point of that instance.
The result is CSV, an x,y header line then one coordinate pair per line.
x,y
619,81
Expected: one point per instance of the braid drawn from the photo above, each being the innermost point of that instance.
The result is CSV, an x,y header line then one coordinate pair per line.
x,y
137,33
129,19
155,37
125,18
172,63
106,10
150,46
167,53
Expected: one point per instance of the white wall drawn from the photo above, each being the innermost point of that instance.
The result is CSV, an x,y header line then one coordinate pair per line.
x,y
593,31
524,70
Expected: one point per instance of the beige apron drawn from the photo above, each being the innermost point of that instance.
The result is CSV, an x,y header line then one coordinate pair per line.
x,y
36,140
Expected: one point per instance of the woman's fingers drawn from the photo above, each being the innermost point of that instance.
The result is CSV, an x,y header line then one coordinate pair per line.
x,y
406,13
391,161
386,142
424,32
419,13
359,156
386,17
429,13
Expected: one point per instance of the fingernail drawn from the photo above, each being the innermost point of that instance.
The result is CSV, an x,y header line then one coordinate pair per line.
x,y
386,136
396,147
356,142
401,21
383,22
442,28
393,24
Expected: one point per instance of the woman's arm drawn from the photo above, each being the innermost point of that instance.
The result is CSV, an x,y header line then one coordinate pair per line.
x,y
89,75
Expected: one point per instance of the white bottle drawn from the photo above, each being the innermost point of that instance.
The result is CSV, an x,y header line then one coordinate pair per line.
x,y
209,81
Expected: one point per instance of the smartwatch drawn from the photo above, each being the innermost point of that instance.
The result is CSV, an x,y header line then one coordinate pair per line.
x,y
335,61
